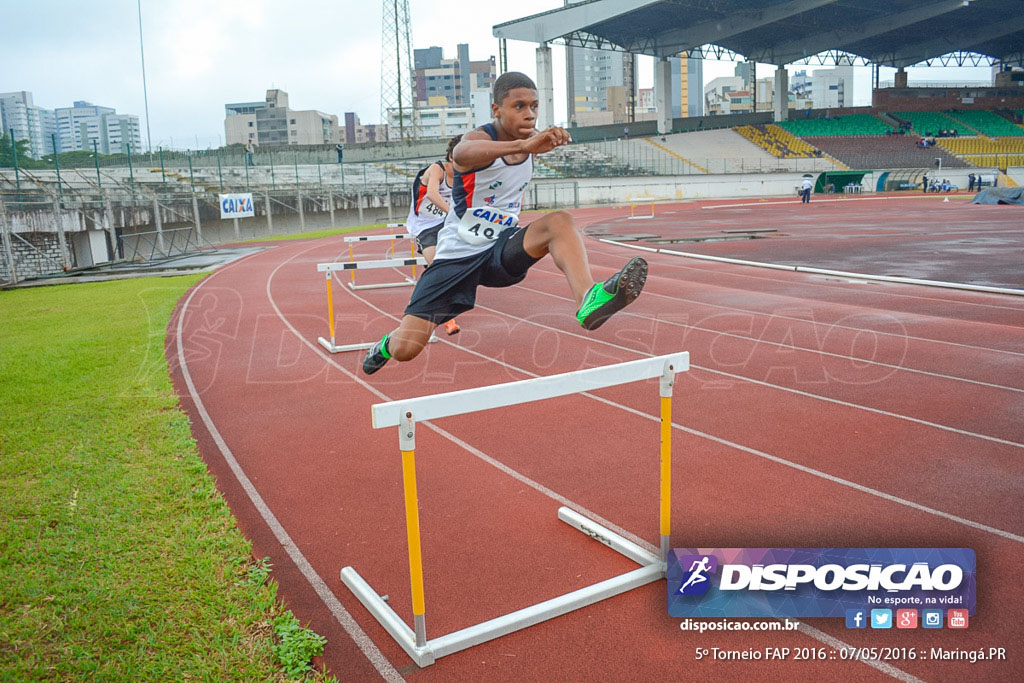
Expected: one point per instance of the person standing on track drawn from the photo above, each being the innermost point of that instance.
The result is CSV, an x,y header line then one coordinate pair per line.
x,y
431,201
805,191
481,242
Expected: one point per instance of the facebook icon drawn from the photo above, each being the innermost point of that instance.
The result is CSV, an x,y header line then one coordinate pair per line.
x,y
856,618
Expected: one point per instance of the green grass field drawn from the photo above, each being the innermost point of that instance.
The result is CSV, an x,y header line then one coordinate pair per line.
x,y
119,559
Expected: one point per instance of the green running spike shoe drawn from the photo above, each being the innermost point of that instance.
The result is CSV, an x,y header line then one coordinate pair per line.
x,y
617,292
376,356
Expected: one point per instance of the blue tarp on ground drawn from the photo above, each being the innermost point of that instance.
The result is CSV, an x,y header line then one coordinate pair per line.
x,y
1000,195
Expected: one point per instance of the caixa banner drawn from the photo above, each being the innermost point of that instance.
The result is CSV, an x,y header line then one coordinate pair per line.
x,y
236,205
817,582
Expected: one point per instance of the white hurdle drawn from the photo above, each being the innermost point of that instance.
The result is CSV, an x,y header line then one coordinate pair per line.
x,y
633,215
404,414
353,240
330,268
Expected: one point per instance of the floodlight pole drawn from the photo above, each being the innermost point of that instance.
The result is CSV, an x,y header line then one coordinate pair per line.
x,y
145,95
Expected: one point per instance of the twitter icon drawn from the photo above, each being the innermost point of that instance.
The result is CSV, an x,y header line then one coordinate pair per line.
x,y
881,618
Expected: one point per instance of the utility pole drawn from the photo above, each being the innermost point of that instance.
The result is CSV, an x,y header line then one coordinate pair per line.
x,y
396,70
145,94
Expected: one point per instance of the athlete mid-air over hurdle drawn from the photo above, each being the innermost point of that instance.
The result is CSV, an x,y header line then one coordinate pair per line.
x,y
481,242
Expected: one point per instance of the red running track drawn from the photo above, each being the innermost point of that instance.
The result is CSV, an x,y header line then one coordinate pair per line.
x,y
817,412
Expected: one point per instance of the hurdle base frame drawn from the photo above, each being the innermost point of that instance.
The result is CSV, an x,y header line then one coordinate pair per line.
x,y
407,282
341,348
425,652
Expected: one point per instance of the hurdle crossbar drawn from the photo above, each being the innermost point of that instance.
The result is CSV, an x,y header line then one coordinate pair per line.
x,y
328,269
368,265
405,413
390,237
378,238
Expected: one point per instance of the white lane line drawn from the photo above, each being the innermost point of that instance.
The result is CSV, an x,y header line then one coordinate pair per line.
x,y
363,641
815,285
745,449
844,199
791,347
741,378
806,303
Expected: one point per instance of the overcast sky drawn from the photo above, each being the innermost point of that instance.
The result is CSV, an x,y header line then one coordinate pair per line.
x,y
202,54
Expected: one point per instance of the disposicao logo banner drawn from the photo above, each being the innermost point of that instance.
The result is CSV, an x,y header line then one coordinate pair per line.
x,y
817,582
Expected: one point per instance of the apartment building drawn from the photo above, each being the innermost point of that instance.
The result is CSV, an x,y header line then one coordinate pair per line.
x,y
273,123
439,82
20,117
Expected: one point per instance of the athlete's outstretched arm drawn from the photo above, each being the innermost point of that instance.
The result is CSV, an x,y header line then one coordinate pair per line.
x,y
478,149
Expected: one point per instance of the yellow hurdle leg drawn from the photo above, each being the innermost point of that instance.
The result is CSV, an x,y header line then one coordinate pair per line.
x,y
412,527
330,307
352,257
666,471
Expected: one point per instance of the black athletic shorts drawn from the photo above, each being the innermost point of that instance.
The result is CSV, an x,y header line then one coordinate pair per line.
x,y
448,286
428,237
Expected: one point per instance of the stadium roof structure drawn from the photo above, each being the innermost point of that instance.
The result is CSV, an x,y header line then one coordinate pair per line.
x,y
896,33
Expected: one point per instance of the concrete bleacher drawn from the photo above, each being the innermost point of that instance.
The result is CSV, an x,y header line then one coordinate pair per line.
x,y
586,160
210,181
726,151
884,152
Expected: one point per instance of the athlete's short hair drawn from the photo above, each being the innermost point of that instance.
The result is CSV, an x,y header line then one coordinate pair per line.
x,y
508,82
451,147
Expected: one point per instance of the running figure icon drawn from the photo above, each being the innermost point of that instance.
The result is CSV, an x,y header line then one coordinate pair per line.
x,y
697,571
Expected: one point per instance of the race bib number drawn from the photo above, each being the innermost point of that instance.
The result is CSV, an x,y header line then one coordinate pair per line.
x,y
428,208
484,224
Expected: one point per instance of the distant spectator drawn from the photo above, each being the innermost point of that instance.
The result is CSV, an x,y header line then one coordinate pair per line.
x,y
970,182
250,148
924,184
340,149
805,191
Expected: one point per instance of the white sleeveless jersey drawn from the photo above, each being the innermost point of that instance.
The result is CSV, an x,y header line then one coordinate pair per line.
x,y
485,202
422,212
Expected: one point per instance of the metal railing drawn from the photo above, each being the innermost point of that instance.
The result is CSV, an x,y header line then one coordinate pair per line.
x,y
161,244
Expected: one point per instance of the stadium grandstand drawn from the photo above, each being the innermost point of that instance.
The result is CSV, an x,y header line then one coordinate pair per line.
x,y
906,132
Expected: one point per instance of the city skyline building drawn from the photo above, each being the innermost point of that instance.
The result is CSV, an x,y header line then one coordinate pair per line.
x,y
21,118
589,75
824,88
436,122
438,81
687,96
355,133
72,128
273,123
